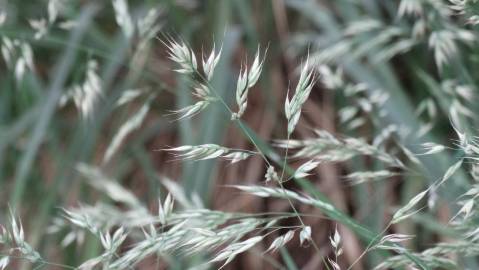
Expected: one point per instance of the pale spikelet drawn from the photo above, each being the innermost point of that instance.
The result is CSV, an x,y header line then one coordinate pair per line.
x,y
40,26
209,151
466,209
87,95
334,265
18,234
54,7
305,235
333,80
432,148
305,168
18,55
326,147
387,241
405,211
336,243
281,241
181,54
444,47
82,220
467,92
356,123
347,113
337,249
202,91
209,64
450,171
67,25
361,26
241,94
192,110
109,186
112,243
246,80
237,156
133,123
128,96
165,210
366,176
410,7
285,194
16,241
292,108
123,18
256,68
200,152
271,174
268,192
230,252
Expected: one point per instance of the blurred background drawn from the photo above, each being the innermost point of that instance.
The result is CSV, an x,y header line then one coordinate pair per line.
x,y
51,49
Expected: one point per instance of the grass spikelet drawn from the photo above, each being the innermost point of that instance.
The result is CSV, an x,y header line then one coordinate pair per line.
x,y
271,174
292,108
230,252
385,241
209,151
101,182
164,210
305,235
444,47
280,241
432,148
192,110
450,171
410,7
366,176
128,96
126,128
209,64
123,18
246,80
181,54
87,95
303,170
405,211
